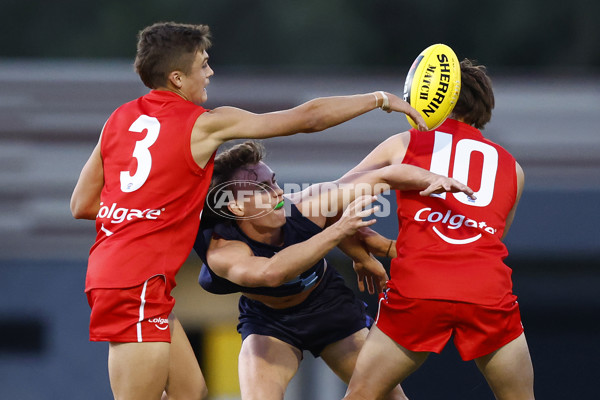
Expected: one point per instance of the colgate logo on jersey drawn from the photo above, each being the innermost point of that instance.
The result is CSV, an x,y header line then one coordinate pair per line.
x,y
453,221
116,214
159,322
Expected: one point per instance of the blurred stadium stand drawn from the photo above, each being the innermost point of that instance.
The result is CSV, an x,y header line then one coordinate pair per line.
x,y
52,113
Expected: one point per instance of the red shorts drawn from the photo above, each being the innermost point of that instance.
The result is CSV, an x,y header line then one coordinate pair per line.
x,y
427,325
136,314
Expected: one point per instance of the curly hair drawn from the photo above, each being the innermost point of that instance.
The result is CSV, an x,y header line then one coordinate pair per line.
x,y
168,46
239,156
476,99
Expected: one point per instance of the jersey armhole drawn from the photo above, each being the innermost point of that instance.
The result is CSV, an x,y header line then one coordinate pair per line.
x,y
196,169
408,155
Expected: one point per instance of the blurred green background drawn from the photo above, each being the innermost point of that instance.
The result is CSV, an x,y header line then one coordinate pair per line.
x,y
542,36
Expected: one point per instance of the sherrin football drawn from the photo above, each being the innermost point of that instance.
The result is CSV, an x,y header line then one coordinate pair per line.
x,y
432,84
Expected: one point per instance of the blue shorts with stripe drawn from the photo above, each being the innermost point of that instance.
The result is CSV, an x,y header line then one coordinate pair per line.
x,y
330,313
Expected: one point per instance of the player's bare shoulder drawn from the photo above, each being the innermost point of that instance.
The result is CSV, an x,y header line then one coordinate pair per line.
x,y
221,252
396,147
390,151
205,139
223,123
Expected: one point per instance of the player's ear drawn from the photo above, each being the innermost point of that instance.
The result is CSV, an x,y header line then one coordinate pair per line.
x,y
236,208
176,79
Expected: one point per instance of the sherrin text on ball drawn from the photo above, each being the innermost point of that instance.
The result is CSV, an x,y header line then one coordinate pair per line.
x,y
432,85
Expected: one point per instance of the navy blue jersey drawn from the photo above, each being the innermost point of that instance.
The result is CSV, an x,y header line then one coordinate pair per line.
x,y
296,229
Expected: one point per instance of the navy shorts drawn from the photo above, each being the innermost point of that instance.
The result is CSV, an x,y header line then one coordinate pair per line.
x,y
330,313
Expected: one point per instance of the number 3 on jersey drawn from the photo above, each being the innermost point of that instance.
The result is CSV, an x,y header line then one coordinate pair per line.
x,y
131,183
440,164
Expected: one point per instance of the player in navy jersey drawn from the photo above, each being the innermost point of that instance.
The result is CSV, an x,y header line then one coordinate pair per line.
x,y
271,248
145,184
448,278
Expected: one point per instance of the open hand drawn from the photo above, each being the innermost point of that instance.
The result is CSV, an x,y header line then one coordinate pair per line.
x,y
397,104
442,184
352,218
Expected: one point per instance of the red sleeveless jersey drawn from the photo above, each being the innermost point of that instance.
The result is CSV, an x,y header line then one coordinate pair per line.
x,y
449,246
153,192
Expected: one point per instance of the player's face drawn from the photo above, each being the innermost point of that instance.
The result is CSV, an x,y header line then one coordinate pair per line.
x,y
198,79
262,195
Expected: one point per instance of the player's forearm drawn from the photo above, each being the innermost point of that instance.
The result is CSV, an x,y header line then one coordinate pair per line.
x,y
380,246
325,112
354,249
391,177
225,123
394,177
294,260
406,177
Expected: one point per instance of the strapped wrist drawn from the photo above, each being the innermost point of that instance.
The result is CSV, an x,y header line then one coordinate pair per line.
x,y
385,105
376,100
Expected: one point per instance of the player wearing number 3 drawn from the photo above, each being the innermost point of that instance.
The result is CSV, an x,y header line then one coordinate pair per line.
x,y
447,273
145,184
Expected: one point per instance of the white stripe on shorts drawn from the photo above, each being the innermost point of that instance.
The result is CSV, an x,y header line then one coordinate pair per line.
x,y
142,305
378,309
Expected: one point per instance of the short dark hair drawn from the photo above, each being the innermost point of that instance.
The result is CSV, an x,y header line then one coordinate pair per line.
x,y
476,99
168,46
240,155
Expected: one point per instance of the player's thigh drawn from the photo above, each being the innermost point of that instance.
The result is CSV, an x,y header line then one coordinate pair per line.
x,y
341,356
138,370
509,371
185,379
266,366
381,365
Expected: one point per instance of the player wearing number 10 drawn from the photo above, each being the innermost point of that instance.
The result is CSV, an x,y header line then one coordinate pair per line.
x,y
447,275
145,184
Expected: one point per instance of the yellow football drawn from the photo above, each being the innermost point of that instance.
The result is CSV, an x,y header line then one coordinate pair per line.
x,y
432,84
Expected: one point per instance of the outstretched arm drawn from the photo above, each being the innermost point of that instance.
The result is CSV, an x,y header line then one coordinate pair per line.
x,y
392,177
234,261
409,177
221,124
334,196
315,115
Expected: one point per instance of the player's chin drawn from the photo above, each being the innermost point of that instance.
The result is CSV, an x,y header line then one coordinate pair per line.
x,y
279,217
200,99
203,95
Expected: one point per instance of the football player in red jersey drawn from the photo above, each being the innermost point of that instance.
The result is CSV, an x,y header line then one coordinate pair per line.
x,y
448,278
145,184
